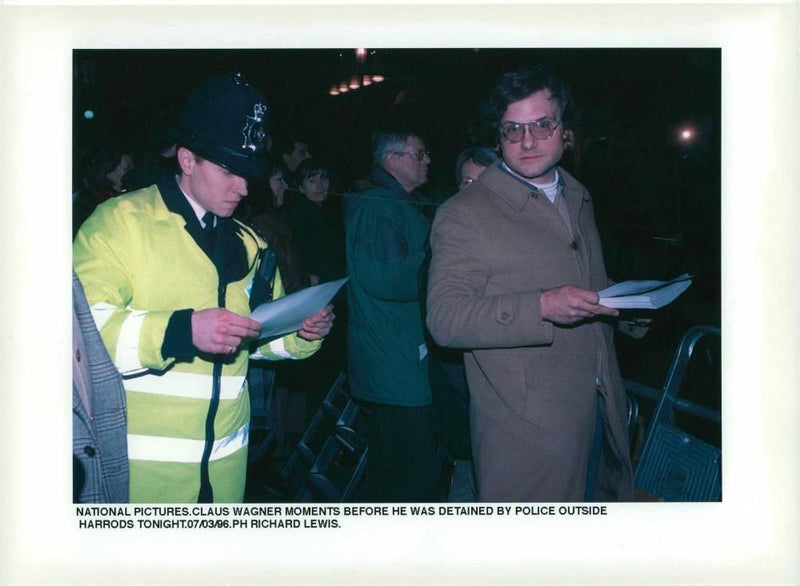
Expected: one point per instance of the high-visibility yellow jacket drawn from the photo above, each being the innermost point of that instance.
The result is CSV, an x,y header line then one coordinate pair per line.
x,y
138,265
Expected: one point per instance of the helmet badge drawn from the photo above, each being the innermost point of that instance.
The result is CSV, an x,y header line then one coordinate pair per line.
x,y
254,133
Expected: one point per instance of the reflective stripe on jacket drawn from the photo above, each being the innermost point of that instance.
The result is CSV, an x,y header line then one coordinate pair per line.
x,y
139,265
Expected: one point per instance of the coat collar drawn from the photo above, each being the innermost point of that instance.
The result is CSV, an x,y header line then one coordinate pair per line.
x,y
176,202
381,177
517,192
508,187
228,254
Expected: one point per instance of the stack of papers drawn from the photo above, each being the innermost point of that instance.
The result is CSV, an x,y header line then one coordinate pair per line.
x,y
644,294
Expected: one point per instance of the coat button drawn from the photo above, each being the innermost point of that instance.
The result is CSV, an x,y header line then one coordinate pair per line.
x,y
89,451
78,355
505,316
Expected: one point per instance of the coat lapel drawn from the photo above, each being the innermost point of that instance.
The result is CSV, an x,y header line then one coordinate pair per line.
x,y
230,256
575,199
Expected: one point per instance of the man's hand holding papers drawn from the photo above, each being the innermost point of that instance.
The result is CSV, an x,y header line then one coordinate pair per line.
x,y
644,294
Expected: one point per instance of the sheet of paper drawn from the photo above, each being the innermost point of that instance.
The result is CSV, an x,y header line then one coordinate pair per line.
x,y
287,314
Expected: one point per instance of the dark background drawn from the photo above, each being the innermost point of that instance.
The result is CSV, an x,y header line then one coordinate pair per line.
x,y
649,92
657,198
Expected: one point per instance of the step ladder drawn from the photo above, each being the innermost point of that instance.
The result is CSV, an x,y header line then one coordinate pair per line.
x,y
675,465
329,461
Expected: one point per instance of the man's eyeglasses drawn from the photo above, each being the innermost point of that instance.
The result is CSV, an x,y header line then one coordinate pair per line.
x,y
419,155
539,129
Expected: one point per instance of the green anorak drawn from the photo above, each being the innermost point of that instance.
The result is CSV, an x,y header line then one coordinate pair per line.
x,y
386,235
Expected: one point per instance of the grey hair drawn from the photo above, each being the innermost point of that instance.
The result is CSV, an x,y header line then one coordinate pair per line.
x,y
387,142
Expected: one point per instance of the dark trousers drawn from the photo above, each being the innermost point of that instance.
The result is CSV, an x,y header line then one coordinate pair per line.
x,y
451,401
401,462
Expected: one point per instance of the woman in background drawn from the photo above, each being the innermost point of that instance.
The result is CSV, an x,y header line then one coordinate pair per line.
x,y
270,220
101,178
314,221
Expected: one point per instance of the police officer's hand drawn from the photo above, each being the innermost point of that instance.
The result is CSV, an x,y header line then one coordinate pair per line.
x,y
569,304
318,326
219,331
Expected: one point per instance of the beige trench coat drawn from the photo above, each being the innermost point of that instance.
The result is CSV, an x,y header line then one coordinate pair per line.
x,y
534,386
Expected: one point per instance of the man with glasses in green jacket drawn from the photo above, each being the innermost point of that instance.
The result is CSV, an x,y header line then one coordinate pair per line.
x,y
386,234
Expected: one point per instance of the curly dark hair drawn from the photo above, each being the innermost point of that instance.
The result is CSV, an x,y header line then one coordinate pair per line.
x,y
518,85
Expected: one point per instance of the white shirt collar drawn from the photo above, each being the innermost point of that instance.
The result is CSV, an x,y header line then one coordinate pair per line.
x,y
196,207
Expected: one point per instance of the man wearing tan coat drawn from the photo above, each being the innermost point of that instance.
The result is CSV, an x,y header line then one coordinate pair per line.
x,y
516,262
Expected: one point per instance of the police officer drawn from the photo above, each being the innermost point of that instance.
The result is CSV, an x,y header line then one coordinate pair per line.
x,y
168,273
